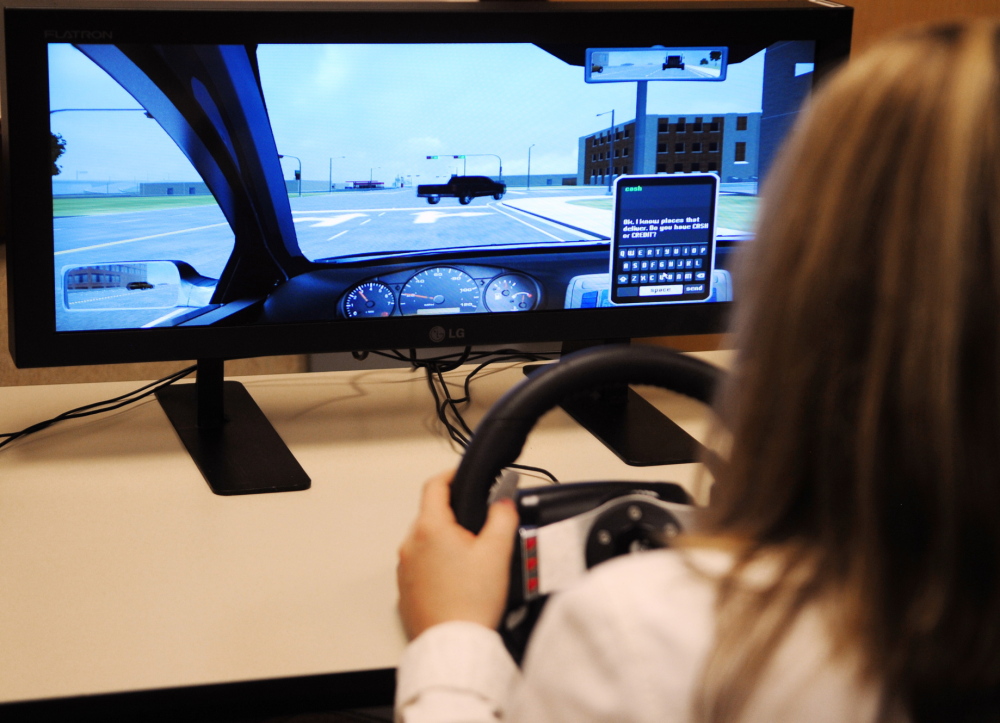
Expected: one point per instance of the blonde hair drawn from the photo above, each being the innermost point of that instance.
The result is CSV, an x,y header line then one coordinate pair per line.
x,y
864,405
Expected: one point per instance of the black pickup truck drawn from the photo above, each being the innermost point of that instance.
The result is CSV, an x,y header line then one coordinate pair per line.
x,y
464,188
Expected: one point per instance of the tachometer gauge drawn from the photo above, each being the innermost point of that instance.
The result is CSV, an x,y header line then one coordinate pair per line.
x,y
439,290
372,298
511,292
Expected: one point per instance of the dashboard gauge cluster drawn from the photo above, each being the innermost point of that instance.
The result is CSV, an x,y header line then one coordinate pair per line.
x,y
451,289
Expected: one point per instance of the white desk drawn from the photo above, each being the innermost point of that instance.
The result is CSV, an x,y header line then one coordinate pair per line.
x,y
121,571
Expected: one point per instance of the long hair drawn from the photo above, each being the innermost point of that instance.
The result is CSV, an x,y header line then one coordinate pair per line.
x,y
864,404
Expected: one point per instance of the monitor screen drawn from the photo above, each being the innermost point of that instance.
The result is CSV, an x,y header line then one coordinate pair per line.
x,y
193,181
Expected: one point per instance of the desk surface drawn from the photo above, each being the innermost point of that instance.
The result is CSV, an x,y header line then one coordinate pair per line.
x,y
121,571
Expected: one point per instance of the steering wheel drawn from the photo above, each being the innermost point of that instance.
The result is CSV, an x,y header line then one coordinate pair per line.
x,y
501,435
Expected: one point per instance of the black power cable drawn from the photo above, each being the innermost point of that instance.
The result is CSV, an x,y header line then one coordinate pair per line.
x,y
448,407
107,405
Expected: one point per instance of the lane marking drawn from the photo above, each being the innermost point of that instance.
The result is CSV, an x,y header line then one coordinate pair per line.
x,y
322,221
531,226
433,216
163,318
139,238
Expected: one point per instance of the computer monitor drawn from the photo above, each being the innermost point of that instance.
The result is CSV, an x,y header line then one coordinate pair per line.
x,y
223,180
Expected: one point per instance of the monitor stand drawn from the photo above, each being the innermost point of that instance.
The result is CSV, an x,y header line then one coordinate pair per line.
x,y
228,436
639,433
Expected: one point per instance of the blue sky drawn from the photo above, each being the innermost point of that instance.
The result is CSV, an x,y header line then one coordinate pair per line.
x,y
378,111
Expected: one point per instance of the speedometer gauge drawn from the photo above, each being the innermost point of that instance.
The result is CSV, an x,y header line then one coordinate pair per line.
x,y
439,290
511,292
372,298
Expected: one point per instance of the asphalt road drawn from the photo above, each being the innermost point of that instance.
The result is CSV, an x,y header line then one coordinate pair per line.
x,y
327,226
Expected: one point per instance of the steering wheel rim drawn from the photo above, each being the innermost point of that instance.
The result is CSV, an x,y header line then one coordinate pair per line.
x,y
501,434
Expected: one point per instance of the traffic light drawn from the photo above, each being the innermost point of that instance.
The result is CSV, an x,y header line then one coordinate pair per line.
x,y
431,158
298,175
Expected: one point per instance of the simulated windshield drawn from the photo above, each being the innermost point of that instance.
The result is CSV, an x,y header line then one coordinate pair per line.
x,y
384,150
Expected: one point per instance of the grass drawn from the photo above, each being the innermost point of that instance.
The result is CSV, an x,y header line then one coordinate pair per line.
x,y
735,212
100,206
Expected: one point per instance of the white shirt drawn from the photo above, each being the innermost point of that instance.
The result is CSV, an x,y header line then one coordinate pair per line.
x,y
628,643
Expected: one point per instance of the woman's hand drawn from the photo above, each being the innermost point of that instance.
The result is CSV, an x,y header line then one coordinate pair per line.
x,y
447,573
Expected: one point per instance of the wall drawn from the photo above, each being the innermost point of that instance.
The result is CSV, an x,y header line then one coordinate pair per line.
x,y
875,18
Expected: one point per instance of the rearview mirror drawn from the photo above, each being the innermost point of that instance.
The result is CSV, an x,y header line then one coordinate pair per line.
x,y
621,65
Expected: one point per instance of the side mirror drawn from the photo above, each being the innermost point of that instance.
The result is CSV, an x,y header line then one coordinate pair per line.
x,y
130,294
124,285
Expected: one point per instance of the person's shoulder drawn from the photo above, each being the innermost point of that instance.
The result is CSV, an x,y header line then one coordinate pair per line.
x,y
673,568
649,589
641,625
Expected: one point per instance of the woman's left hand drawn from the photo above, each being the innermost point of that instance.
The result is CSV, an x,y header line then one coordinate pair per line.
x,y
447,573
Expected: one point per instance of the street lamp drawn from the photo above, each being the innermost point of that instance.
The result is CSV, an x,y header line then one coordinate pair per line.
x,y
529,165
298,173
98,110
466,156
611,152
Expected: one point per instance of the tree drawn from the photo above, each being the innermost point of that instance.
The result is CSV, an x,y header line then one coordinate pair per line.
x,y
58,147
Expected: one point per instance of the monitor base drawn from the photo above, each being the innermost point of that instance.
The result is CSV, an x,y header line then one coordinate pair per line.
x,y
234,445
636,431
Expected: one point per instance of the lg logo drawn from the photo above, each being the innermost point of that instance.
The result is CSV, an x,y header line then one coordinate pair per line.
x,y
439,333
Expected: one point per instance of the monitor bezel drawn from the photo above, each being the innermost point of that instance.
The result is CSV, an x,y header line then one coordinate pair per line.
x,y
35,342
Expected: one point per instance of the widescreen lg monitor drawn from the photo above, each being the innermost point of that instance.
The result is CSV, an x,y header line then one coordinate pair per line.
x,y
211,181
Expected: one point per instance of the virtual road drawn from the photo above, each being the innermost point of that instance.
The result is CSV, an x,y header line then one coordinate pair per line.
x,y
327,226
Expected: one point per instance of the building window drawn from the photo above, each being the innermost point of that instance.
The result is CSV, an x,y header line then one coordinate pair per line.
x,y
741,152
695,168
715,125
663,126
713,147
696,147
681,125
741,122
678,168
697,125
713,166
625,152
661,167
678,148
661,147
